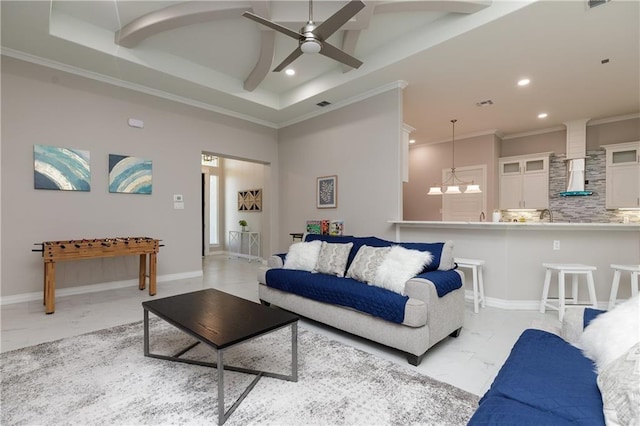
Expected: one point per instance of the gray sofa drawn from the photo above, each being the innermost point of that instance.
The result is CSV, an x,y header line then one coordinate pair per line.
x,y
545,380
428,317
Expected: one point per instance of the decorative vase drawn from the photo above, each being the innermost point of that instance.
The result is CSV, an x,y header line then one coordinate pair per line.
x,y
245,229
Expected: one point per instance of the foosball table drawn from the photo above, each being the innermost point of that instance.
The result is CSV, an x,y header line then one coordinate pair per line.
x,y
54,251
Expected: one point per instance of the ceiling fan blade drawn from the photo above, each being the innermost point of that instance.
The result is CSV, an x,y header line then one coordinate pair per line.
x,y
340,56
272,25
292,57
338,19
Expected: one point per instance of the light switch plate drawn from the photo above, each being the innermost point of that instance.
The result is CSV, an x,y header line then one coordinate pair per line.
x,y
177,197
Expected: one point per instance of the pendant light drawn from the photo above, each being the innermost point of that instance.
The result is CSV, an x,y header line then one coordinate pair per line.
x,y
452,184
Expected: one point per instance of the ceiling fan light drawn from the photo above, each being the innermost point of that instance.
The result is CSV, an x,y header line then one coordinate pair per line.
x,y
435,190
473,189
310,46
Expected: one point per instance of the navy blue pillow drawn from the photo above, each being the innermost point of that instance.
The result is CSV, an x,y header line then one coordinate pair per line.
x,y
434,248
589,315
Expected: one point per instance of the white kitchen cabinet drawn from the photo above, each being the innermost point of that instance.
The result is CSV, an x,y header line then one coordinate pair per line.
x,y
623,175
524,182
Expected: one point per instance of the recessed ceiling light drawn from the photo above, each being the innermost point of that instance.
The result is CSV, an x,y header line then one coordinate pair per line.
x,y
543,115
290,71
412,141
524,82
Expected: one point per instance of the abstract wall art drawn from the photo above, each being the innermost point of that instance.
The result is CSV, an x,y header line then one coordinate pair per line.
x,y
62,169
250,200
130,175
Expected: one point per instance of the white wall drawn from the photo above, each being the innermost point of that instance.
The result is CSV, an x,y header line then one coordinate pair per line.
x,y
359,143
242,176
49,107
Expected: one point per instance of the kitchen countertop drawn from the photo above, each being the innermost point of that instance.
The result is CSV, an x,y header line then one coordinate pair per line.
x,y
523,226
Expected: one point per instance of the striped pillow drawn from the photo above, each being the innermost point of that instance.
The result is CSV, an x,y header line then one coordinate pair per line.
x,y
333,258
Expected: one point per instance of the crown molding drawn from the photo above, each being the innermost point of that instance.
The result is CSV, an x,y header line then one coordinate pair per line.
x,y
400,84
131,86
613,119
533,132
492,132
558,128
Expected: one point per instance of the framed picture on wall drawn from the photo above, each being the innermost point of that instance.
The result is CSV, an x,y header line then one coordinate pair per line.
x,y
327,192
250,200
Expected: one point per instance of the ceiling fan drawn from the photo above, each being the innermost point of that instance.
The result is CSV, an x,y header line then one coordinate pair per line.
x,y
312,38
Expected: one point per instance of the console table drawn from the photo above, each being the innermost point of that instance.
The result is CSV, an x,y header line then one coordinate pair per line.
x,y
53,251
245,244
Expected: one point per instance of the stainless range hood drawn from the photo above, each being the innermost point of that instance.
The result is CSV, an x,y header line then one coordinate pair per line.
x,y
576,156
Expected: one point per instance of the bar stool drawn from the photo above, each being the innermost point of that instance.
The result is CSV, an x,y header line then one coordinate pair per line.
x,y
478,283
634,270
573,269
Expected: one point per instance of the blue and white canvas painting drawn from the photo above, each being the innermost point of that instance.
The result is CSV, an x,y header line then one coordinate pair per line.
x,y
62,169
131,175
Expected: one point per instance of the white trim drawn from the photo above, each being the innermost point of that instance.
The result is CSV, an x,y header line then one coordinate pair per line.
x,y
132,86
516,305
558,128
613,119
493,132
534,132
93,288
400,84
197,104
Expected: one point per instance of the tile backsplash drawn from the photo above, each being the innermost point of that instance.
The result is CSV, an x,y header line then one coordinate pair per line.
x,y
582,209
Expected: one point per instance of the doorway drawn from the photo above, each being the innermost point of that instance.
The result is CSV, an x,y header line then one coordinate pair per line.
x,y
223,179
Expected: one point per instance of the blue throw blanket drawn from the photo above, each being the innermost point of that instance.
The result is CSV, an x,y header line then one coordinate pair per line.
x,y
545,373
444,281
376,301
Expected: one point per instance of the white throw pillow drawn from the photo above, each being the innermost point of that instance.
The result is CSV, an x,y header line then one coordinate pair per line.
x,y
303,256
619,384
366,263
333,258
612,333
399,266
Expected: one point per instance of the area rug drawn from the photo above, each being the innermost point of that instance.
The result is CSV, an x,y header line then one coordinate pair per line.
x,y
102,378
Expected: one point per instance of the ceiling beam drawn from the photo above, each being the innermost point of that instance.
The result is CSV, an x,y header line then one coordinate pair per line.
x,y
175,16
265,60
455,6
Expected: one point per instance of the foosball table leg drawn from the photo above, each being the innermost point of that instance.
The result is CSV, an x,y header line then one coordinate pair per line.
x,y
142,274
153,266
50,287
44,282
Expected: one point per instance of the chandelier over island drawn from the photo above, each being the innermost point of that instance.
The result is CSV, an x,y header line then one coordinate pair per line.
x,y
453,183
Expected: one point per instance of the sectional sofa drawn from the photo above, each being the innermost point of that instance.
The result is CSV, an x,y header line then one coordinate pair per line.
x,y
425,309
588,376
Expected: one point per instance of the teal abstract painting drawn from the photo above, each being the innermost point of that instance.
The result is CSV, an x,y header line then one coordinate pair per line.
x,y
131,175
62,169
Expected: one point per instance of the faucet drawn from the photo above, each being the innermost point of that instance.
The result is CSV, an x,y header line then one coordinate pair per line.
x,y
482,218
548,212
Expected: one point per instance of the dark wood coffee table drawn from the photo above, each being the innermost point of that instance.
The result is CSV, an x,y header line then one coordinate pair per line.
x,y
221,321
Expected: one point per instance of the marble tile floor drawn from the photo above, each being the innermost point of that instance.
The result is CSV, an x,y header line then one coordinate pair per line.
x,y
470,361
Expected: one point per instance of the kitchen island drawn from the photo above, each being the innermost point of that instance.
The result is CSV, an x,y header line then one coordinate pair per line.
x,y
514,253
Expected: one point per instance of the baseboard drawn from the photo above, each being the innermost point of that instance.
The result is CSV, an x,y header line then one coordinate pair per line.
x,y
515,305
93,288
